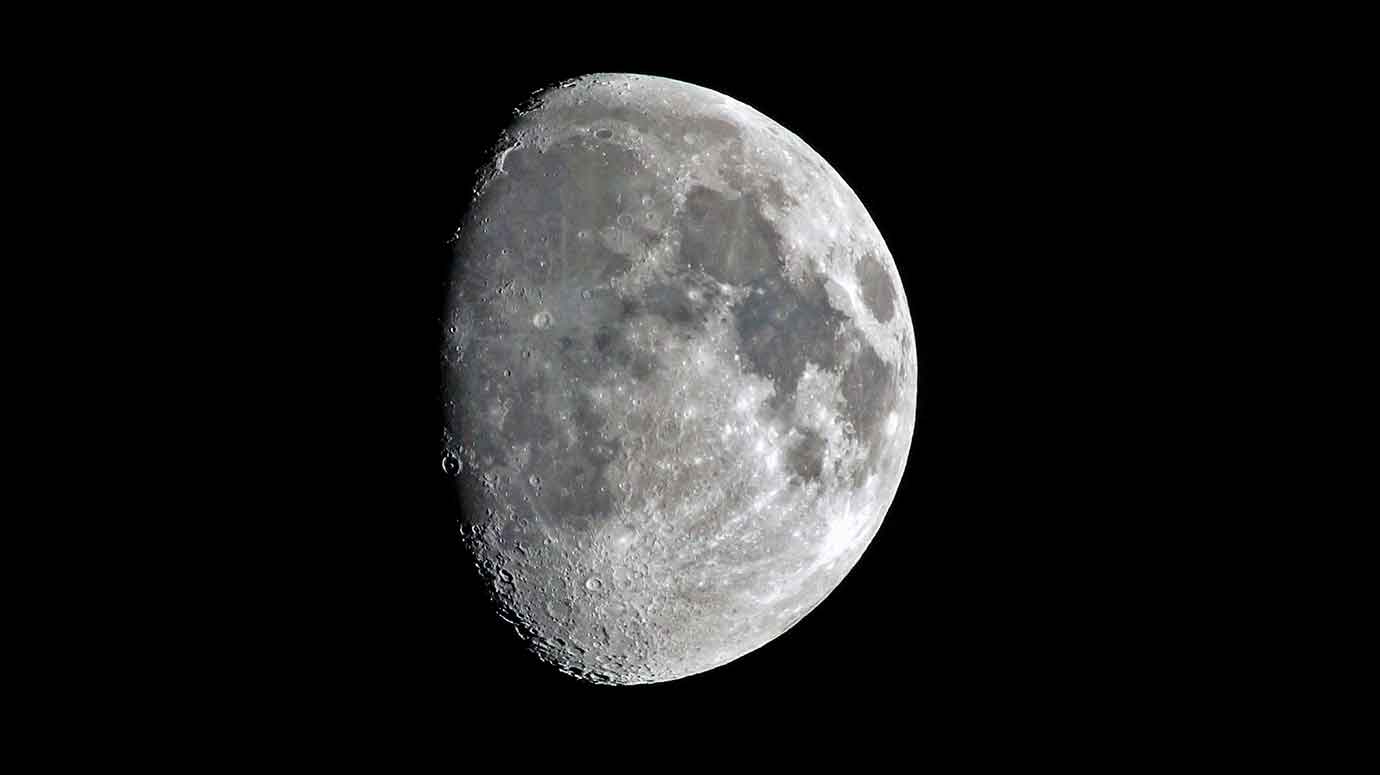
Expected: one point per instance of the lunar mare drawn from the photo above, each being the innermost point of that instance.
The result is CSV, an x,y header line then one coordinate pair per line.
x,y
679,378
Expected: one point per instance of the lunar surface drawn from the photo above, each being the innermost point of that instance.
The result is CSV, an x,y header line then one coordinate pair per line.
x,y
679,378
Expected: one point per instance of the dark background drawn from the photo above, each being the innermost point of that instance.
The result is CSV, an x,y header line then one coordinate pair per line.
x,y
1006,578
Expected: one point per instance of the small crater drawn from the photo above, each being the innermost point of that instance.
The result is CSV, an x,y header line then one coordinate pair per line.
x,y
542,319
603,134
587,293
534,480
450,464
625,220
594,583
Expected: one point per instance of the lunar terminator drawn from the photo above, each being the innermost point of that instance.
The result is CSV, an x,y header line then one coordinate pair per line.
x,y
679,378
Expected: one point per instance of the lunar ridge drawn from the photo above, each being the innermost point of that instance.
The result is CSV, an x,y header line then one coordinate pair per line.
x,y
679,378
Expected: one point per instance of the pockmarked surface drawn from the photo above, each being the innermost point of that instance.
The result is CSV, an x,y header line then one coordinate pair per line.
x,y
679,378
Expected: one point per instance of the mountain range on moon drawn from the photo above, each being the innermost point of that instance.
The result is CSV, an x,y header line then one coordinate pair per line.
x,y
679,378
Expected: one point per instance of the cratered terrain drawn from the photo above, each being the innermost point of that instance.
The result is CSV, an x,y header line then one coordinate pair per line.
x,y
679,378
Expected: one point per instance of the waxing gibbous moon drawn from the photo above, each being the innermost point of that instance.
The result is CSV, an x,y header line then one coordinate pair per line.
x,y
679,378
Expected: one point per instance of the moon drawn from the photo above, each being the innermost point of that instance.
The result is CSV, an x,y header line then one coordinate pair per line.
x,y
678,378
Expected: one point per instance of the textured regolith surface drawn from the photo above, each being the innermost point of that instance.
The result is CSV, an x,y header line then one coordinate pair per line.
x,y
679,378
